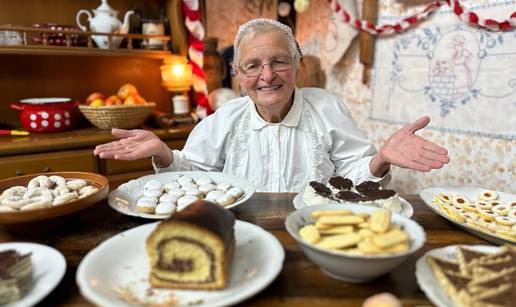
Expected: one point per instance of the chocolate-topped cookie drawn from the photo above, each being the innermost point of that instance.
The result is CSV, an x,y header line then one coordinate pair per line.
x,y
341,183
349,196
320,189
367,186
379,194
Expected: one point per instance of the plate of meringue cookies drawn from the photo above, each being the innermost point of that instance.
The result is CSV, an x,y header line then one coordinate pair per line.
x,y
160,195
341,190
42,196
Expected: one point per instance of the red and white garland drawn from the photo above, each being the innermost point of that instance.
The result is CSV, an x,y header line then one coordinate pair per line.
x,y
195,32
466,15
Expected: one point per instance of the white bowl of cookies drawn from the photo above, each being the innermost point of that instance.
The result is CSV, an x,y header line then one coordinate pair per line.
x,y
354,243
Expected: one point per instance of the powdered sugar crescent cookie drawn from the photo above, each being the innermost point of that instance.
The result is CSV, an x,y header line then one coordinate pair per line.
x,y
15,191
40,181
15,202
57,180
87,191
65,198
60,190
76,184
488,195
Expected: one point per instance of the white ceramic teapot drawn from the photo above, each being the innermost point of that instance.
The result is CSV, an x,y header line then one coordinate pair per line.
x,y
105,21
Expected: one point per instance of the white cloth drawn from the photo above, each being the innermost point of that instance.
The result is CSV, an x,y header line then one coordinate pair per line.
x,y
316,140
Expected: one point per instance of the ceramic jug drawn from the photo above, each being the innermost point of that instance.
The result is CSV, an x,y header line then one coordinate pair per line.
x,y
105,20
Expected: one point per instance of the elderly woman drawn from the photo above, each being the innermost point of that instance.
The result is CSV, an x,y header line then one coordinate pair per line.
x,y
278,136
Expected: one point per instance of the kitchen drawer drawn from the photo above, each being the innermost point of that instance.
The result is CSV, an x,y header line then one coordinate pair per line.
x,y
112,167
76,160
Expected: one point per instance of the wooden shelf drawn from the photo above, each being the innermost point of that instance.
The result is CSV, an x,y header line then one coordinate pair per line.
x,y
37,41
78,51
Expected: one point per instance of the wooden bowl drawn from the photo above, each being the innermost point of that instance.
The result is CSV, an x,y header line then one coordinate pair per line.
x,y
96,180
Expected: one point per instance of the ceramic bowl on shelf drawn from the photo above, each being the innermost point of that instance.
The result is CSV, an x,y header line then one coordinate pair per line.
x,y
351,267
53,114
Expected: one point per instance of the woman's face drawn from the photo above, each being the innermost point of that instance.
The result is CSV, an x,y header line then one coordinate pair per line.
x,y
270,90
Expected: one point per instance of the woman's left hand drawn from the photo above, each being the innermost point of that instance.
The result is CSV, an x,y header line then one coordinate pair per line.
x,y
405,149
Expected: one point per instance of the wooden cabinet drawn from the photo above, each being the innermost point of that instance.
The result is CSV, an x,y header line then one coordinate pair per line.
x,y
79,160
73,151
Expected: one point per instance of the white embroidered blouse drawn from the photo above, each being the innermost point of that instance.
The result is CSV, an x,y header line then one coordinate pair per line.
x,y
315,141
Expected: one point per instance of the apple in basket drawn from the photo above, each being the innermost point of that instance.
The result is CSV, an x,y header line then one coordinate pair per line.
x,y
113,100
94,96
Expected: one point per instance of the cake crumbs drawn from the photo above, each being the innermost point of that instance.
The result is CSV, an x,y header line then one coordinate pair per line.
x,y
251,273
128,296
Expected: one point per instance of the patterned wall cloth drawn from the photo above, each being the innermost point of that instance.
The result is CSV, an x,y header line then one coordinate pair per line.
x,y
465,86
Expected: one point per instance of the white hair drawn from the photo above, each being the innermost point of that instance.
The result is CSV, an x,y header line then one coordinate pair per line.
x,y
260,25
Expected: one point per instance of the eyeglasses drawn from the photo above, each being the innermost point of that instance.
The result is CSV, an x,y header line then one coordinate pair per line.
x,y
255,68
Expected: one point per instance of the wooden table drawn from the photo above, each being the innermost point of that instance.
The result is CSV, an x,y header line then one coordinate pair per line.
x,y
300,283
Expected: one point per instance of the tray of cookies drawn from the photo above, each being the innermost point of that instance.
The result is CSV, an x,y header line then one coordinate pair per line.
x,y
42,196
468,275
488,214
158,196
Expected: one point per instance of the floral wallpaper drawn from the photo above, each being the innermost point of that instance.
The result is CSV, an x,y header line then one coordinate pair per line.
x,y
475,161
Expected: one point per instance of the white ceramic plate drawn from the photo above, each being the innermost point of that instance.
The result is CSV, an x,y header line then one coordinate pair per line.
x,y
257,260
427,280
132,190
406,207
471,193
48,268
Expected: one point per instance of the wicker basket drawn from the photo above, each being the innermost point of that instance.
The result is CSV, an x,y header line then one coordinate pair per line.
x,y
124,117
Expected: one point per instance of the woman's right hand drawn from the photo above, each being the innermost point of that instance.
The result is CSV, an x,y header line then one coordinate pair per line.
x,y
135,144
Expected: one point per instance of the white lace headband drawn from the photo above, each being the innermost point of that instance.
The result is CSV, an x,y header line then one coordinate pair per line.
x,y
257,23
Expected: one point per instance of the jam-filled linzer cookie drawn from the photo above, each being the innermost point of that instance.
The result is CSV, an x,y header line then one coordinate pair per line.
x,y
193,248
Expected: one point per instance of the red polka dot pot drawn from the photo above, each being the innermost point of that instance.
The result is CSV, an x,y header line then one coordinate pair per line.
x,y
47,114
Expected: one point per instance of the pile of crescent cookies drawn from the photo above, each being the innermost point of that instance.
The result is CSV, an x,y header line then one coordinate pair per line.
x,y
44,192
356,234
165,198
486,213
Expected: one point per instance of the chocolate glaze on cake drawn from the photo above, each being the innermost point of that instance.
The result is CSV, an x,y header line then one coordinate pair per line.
x,y
367,186
341,183
320,189
350,196
206,215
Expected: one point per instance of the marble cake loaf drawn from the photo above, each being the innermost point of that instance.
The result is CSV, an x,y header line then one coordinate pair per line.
x,y
193,248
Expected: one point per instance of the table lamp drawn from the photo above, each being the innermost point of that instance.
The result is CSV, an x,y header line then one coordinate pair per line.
x,y
176,76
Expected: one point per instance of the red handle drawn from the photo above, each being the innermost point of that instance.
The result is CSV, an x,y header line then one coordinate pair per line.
x,y
17,106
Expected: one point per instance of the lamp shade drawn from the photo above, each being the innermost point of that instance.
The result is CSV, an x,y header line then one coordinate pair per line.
x,y
176,73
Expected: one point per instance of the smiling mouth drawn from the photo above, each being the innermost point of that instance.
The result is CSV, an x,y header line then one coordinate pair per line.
x,y
269,88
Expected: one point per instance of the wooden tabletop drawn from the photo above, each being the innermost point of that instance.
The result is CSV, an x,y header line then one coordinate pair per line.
x,y
300,283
